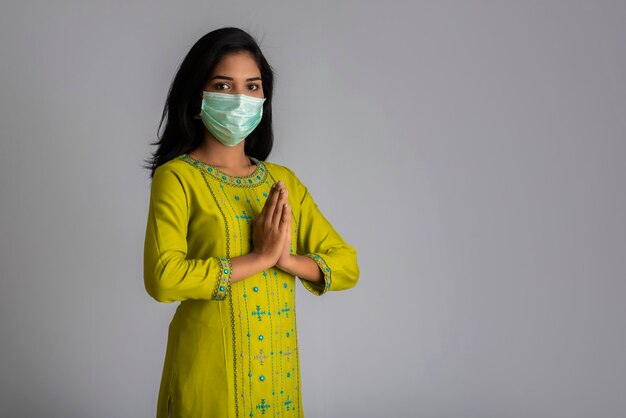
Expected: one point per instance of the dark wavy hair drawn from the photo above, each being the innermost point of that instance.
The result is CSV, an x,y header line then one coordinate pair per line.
x,y
182,133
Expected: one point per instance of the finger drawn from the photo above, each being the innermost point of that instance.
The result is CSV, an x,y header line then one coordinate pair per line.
x,y
278,211
288,221
285,219
289,215
287,227
273,201
268,200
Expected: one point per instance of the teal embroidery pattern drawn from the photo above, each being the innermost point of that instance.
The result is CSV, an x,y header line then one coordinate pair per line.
x,y
285,310
251,180
325,269
223,282
259,313
262,406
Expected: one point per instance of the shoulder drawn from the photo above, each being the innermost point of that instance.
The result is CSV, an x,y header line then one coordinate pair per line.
x,y
288,175
176,167
281,172
175,178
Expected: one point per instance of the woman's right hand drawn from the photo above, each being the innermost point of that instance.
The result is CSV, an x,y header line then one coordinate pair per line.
x,y
270,228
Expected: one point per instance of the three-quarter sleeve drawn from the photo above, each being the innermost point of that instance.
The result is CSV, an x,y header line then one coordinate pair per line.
x,y
168,275
318,240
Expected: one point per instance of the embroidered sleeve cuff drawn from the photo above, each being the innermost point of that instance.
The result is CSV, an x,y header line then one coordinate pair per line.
x,y
223,280
318,289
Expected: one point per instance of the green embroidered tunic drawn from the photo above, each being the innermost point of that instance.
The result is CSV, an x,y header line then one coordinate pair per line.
x,y
232,348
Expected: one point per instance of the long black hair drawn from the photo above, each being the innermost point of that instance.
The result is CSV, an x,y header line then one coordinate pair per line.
x,y
182,133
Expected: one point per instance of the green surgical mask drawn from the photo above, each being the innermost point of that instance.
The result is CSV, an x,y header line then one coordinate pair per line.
x,y
230,117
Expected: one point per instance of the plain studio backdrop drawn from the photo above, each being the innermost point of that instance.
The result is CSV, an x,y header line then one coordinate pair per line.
x,y
473,152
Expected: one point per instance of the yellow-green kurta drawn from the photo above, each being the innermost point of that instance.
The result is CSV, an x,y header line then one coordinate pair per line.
x,y
232,348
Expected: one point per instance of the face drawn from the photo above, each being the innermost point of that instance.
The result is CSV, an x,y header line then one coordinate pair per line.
x,y
236,73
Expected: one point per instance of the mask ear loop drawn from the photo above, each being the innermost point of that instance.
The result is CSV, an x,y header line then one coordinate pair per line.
x,y
198,116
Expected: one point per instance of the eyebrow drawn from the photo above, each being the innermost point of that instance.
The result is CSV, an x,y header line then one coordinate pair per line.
x,y
230,78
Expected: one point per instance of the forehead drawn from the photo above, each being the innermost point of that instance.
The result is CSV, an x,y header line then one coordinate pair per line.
x,y
237,64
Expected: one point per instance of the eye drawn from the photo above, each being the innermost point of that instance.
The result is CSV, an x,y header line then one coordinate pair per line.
x,y
256,87
217,86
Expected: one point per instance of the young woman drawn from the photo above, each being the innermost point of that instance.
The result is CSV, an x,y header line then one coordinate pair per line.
x,y
227,234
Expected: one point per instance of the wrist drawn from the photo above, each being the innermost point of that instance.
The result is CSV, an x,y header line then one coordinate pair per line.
x,y
262,260
285,263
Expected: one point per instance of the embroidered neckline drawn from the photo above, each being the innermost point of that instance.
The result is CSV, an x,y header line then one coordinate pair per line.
x,y
255,178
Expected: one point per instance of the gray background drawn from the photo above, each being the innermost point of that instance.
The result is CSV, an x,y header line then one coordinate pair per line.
x,y
473,153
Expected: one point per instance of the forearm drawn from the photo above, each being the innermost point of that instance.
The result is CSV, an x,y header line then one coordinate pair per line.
x,y
303,267
247,265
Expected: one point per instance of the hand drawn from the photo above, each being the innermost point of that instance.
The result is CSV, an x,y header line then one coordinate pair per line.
x,y
271,228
